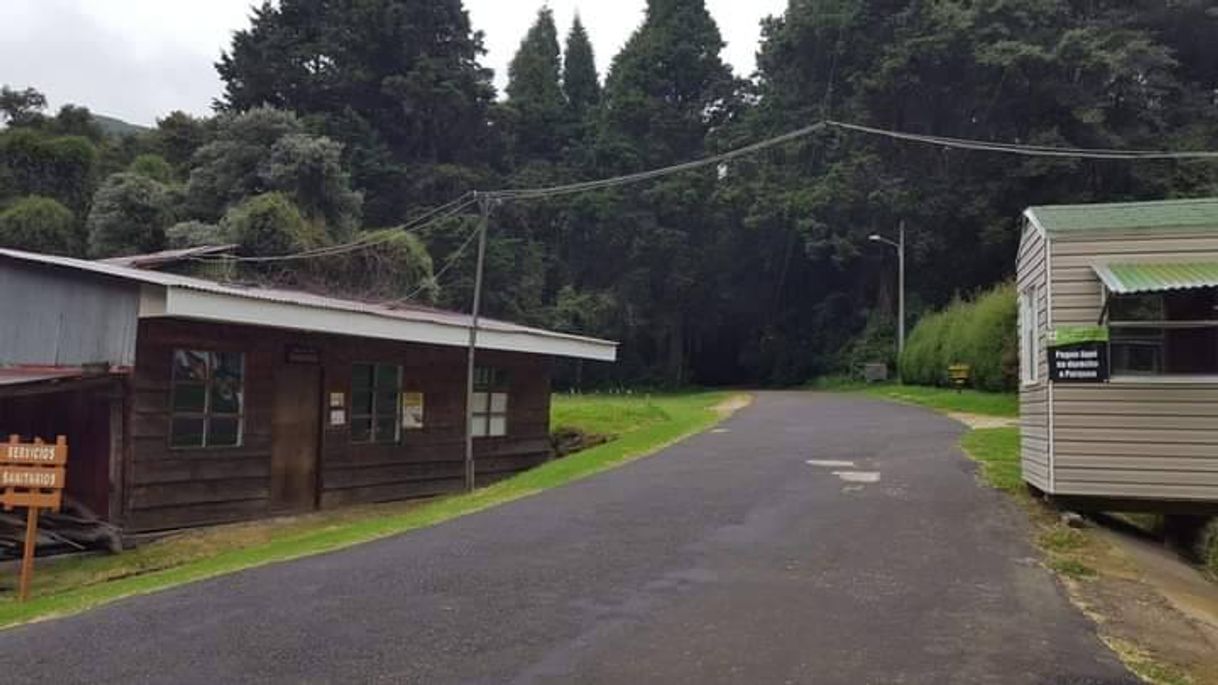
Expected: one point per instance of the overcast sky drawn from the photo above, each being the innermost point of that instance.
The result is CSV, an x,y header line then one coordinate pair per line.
x,y
140,59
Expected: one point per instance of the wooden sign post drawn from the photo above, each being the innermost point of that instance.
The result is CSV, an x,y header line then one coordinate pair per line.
x,y
32,475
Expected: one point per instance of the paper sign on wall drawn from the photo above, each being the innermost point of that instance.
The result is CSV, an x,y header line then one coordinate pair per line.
x,y
412,410
1079,355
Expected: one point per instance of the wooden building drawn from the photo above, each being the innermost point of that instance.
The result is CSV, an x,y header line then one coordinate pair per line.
x,y
189,402
1119,353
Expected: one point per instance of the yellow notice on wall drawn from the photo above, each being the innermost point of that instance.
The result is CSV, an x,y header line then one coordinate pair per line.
x,y
412,410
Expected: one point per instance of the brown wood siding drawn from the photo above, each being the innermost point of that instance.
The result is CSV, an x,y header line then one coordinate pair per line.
x,y
170,488
1031,270
1130,439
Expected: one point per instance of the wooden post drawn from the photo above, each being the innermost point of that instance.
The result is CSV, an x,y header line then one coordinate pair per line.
x,y
34,476
27,558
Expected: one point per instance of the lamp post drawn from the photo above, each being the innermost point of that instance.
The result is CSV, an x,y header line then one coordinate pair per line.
x,y
900,245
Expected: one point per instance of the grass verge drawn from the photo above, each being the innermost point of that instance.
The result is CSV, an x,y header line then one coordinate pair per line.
x,y
1003,405
642,426
1069,552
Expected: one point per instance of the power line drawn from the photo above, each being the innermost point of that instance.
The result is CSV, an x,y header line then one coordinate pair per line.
x,y
448,266
530,193
420,223
1029,150
942,141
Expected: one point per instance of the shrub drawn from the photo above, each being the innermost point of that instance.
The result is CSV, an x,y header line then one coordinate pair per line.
x,y
194,234
39,224
152,166
269,224
981,333
129,216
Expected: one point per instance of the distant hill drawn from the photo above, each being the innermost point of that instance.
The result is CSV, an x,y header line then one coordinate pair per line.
x,y
117,127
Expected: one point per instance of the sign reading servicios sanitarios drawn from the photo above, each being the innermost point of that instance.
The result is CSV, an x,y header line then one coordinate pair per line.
x,y
1079,355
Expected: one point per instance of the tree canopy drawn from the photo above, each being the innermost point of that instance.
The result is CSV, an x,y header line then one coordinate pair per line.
x,y
341,116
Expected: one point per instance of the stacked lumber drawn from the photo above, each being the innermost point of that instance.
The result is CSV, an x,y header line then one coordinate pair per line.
x,y
73,528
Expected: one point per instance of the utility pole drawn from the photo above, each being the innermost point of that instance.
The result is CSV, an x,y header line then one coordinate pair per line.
x,y
484,204
901,295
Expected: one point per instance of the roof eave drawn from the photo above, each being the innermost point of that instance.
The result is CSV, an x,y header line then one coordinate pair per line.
x,y
200,305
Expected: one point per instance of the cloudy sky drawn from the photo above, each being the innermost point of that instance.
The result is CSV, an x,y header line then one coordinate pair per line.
x,y
139,59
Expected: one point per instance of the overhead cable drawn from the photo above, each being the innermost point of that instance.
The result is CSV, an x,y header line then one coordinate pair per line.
x,y
420,223
1029,150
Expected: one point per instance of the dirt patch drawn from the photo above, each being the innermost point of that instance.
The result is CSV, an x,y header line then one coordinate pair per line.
x,y
733,404
1149,607
978,421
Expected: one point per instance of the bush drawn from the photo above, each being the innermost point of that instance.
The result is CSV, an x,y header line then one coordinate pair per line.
x,y
268,225
194,234
152,166
39,224
129,216
982,333
1207,547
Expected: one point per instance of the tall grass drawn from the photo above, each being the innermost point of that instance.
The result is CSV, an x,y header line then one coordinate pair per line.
x,y
981,333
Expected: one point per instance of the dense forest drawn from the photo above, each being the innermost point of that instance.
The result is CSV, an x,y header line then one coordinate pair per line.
x,y
341,120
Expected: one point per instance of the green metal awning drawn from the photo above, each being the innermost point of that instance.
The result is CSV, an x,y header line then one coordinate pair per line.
x,y
1123,279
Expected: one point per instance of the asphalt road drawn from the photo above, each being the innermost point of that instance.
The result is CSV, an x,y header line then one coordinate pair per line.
x,y
726,559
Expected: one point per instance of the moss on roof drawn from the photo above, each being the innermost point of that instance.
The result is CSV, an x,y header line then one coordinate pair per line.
x,y
1196,214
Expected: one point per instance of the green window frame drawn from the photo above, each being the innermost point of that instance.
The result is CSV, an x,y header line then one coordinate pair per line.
x,y
207,399
490,406
376,403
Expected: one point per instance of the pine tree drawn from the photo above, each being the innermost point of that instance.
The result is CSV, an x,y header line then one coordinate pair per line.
x,y
398,82
535,95
666,91
579,79
668,87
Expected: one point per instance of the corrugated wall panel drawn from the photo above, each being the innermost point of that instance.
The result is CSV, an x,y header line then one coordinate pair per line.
x,y
58,318
1031,272
1130,439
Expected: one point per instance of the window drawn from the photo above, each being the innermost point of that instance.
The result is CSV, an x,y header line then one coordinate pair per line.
x,y
490,403
207,399
1029,336
375,401
1168,333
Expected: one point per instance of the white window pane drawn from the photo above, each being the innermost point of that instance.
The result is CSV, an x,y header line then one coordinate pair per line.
x,y
479,427
480,402
499,403
498,426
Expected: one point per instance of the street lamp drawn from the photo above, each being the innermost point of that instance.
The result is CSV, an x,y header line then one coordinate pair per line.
x,y
900,245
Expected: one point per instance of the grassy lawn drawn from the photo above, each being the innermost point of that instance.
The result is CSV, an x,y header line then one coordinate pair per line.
x,y
997,450
1004,405
642,426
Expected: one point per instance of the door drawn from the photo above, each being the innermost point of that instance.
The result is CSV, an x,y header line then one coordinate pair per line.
x,y
295,438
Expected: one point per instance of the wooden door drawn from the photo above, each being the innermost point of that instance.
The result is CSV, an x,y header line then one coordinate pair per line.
x,y
295,438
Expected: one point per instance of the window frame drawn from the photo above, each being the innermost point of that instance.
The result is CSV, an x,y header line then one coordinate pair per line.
x,y
490,383
1156,328
1029,339
208,383
373,416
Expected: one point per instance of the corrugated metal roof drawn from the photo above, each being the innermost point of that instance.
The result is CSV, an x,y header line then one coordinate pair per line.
x,y
1157,277
164,257
411,313
21,375
1197,214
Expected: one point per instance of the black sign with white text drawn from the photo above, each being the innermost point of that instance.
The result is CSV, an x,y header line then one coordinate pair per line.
x,y
1082,362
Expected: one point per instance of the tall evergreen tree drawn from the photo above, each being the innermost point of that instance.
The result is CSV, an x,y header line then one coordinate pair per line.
x,y
535,95
398,82
580,82
666,91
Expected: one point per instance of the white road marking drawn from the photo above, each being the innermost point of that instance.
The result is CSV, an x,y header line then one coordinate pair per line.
x,y
722,430
830,464
858,476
